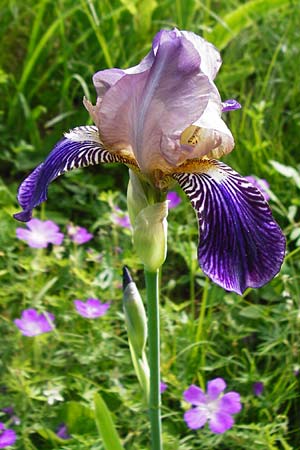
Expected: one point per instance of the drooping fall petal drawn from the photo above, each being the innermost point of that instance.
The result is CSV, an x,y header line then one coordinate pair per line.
x,y
80,148
240,243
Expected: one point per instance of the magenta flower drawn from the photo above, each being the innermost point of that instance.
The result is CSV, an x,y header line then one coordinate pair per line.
x,y
9,410
162,387
32,323
261,184
174,199
162,118
120,218
62,431
258,388
92,308
7,437
79,235
214,407
40,233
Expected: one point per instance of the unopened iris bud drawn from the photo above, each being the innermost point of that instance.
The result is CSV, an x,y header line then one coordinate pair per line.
x,y
150,235
136,196
148,216
135,316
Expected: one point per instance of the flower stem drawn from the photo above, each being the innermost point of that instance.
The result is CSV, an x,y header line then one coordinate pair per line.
x,y
154,358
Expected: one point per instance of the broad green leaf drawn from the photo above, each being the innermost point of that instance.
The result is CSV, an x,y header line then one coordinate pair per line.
x,y
78,418
105,425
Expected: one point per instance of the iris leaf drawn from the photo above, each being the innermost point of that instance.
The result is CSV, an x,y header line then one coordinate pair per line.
x,y
105,425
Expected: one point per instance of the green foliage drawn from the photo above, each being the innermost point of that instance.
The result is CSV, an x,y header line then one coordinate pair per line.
x,y
106,426
49,51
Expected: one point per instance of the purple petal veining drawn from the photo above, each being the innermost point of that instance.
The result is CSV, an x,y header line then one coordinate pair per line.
x,y
240,243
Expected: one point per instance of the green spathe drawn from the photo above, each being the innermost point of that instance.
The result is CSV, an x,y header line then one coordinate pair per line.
x,y
150,235
135,317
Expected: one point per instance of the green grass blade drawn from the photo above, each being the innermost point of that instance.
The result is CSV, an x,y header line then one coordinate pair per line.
x,y
105,425
40,46
233,23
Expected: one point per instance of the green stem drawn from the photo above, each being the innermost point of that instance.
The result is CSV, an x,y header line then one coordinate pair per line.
x,y
154,358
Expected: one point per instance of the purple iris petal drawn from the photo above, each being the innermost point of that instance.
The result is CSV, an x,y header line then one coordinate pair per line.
x,y
81,148
214,407
230,105
92,308
79,235
174,199
148,115
7,436
40,233
260,184
240,243
32,323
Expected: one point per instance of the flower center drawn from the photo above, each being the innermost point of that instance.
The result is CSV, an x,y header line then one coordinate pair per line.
x,y
210,408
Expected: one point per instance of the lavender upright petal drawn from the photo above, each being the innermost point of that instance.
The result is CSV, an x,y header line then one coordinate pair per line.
x,y
210,57
240,244
140,112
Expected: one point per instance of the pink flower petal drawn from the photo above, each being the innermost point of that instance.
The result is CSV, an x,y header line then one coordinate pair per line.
x,y
195,418
220,422
194,395
230,403
215,387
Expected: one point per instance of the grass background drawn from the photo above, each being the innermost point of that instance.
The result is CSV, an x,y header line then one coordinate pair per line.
x,y
49,51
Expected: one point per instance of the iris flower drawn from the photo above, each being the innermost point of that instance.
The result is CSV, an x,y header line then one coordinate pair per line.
x,y
162,118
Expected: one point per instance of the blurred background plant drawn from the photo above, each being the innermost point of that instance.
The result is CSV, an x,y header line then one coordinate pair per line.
x,y
49,51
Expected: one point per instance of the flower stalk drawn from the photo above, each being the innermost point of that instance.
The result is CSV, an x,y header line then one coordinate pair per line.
x,y
152,289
